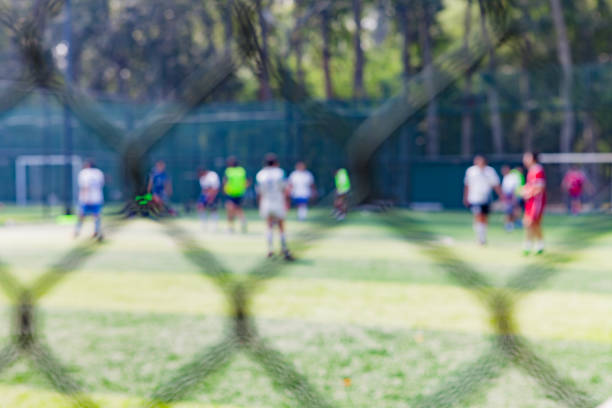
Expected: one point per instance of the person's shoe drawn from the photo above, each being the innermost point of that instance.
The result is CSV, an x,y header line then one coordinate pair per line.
x,y
526,252
270,254
539,251
288,257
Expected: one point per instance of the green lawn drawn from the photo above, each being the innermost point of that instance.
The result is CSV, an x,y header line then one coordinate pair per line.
x,y
365,301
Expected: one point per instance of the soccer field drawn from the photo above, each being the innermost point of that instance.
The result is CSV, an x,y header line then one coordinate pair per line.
x,y
374,313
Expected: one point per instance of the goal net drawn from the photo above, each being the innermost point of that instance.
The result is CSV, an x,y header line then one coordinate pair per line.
x,y
41,179
597,167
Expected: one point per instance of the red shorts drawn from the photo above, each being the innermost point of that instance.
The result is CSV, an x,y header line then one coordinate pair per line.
x,y
534,207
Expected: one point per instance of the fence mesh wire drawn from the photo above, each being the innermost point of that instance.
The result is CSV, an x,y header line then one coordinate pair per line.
x,y
508,346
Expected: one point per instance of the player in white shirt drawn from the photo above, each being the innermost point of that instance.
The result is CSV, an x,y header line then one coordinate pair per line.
x,y
209,197
302,187
273,196
91,197
479,183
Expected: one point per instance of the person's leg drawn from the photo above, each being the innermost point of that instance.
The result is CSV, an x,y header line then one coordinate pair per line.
x,y
336,206
539,237
342,207
509,221
270,235
302,211
242,217
79,224
98,225
202,214
213,215
283,239
577,205
230,209
529,235
481,227
518,209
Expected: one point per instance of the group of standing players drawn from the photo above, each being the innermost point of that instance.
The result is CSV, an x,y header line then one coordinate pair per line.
x,y
275,194
517,192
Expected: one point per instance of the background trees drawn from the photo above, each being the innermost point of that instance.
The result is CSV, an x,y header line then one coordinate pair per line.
x,y
552,79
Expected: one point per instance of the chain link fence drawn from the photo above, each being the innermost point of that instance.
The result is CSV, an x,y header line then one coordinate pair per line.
x,y
508,346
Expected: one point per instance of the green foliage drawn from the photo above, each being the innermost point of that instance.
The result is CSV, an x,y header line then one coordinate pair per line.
x,y
143,50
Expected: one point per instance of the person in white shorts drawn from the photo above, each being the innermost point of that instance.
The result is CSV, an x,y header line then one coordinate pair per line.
x,y
302,187
273,196
91,197
479,183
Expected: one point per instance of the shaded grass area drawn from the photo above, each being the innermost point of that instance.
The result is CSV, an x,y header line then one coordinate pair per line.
x,y
130,353
543,314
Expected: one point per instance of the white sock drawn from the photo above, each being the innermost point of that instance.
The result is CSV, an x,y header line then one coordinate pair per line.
x,y
481,232
283,241
539,245
98,225
528,245
270,238
302,212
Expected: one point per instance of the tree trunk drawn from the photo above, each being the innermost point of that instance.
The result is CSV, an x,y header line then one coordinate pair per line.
x,y
565,59
298,46
358,90
433,138
265,92
325,31
492,94
527,114
228,25
405,136
589,134
382,25
404,23
209,30
467,117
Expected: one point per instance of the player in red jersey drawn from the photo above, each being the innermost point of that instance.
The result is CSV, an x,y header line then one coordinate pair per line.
x,y
534,194
573,184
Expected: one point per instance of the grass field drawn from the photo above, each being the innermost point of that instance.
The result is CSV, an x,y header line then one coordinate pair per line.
x,y
363,303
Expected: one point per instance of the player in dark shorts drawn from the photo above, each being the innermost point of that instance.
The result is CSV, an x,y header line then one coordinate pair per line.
x,y
235,184
479,183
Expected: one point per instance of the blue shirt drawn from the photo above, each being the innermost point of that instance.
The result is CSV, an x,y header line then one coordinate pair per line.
x,y
159,179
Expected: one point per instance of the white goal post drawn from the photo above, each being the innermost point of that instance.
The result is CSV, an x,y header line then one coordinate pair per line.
x,y
576,158
21,174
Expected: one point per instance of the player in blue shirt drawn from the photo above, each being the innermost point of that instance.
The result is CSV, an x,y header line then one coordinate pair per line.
x,y
160,186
